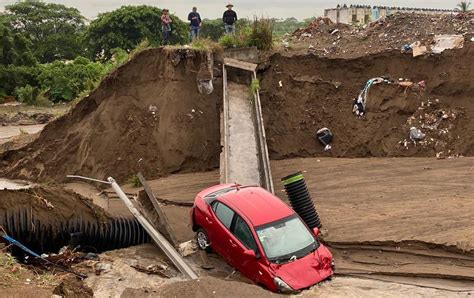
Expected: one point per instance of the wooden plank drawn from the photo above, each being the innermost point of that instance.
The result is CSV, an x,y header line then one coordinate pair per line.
x,y
240,64
161,215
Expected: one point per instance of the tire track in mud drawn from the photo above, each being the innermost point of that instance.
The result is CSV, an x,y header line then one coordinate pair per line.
x,y
425,264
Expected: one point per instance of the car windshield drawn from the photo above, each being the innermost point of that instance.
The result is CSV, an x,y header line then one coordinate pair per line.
x,y
286,239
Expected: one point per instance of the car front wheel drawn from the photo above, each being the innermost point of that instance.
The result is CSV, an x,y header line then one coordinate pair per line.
x,y
202,239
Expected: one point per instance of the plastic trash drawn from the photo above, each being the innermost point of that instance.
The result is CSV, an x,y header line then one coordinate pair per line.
x,y
325,136
205,87
416,134
446,42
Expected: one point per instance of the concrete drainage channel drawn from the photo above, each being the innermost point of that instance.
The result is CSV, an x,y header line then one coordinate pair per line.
x,y
244,159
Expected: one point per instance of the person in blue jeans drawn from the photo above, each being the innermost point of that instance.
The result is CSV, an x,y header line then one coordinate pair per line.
x,y
229,18
195,23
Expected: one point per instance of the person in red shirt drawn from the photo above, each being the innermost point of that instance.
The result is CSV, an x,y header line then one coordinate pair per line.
x,y
166,26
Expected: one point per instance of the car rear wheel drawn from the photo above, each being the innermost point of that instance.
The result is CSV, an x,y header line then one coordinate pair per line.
x,y
202,239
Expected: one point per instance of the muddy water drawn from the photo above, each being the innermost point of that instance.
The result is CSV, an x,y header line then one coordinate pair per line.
x,y
355,287
8,132
14,184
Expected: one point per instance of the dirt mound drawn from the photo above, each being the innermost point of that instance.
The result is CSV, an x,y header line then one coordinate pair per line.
x,y
301,94
73,287
49,204
147,116
213,287
325,38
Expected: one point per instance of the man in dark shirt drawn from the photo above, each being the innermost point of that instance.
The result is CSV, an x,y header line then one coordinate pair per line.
x,y
229,18
195,25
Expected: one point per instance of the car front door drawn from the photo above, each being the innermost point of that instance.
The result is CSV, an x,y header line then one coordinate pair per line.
x,y
220,233
242,239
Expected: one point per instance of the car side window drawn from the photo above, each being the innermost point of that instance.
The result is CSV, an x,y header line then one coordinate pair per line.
x,y
223,213
244,234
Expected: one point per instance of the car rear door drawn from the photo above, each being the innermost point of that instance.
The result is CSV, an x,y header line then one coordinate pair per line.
x,y
219,234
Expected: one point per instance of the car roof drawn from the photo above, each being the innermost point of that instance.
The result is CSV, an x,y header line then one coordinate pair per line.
x,y
256,204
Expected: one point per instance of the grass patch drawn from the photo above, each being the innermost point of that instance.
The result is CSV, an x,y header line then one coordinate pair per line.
x,y
262,34
254,86
205,45
134,181
258,34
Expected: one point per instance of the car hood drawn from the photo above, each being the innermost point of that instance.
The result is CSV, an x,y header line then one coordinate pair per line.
x,y
307,271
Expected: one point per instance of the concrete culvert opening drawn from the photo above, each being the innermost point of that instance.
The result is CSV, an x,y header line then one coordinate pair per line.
x,y
76,233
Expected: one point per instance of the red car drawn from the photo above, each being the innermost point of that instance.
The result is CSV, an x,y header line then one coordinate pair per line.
x,y
260,236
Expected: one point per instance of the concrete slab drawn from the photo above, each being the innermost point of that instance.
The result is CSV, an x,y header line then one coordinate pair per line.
x,y
243,161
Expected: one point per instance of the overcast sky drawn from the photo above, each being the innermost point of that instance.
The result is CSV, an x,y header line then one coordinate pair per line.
x,y
245,8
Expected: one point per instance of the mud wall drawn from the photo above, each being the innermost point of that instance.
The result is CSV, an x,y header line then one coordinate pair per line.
x,y
318,92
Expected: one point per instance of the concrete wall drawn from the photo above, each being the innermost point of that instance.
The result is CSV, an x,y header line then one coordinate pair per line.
x,y
245,54
363,14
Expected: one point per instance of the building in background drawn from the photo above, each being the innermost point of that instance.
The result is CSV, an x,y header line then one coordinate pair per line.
x,y
364,14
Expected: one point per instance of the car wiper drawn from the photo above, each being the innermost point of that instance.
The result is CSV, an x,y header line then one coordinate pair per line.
x,y
285,259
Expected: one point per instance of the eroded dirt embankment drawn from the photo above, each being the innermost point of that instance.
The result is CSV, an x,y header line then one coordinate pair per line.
x,y
147,116
51,205
301,94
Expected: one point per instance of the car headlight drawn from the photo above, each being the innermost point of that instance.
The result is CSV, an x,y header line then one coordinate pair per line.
x,y
282,286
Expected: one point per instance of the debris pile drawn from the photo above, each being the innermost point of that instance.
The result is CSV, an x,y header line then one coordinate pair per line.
x,y
386,34
320,25
433,126
21,118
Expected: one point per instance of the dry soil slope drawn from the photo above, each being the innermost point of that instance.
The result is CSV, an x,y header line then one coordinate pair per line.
x,y
146,116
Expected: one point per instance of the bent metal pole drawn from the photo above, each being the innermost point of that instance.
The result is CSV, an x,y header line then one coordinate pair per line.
x,y
159,239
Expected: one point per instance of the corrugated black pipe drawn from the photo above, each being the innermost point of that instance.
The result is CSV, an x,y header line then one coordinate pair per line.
x,y
300,199
92,236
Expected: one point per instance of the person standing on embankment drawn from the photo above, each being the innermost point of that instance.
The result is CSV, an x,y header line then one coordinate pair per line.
x,y
229,18
166,26
195,23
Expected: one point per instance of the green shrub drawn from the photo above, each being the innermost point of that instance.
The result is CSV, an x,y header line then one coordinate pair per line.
x,y
259,34
27,94
212,29
262,34
235,41
134,181
12,76
228,41
254,86
64,81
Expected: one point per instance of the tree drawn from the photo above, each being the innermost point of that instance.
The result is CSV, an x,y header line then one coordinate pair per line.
x,y
65,81
54,29
281,27
464,6
126,27
212,29
17,64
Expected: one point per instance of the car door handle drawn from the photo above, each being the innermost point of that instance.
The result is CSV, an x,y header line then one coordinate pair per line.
x,y
232,243
208,220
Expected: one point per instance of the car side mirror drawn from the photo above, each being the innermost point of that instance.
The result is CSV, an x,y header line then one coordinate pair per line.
x,y
316,232
250,253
